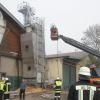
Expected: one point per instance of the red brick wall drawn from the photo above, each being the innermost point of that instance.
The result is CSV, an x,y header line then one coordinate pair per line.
x,y
11,39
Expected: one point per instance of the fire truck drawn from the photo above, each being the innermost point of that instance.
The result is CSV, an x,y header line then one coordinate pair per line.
x,y
54,36
95,77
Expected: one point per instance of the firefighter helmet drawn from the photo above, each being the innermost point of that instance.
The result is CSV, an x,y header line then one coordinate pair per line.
x,y
6,79
58,78
85,71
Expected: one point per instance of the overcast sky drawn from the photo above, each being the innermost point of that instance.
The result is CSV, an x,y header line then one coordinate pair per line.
x,y
72,18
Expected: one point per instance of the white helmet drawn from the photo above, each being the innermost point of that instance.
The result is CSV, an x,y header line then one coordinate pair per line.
x,y
58,78
6,78
3,78
85,71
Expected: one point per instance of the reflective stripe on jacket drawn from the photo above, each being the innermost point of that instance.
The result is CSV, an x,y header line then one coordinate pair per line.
x,y
8,84
82,90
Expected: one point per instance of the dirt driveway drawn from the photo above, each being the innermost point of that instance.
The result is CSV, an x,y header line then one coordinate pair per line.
x,y
41,96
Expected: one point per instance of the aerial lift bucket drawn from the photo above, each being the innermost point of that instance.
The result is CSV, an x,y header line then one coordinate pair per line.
x,y
54,32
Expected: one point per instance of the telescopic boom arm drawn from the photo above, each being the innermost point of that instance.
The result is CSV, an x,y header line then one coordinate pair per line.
x,y
55,36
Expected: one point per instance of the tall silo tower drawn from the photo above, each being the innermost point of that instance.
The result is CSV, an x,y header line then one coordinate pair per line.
x,y
32,44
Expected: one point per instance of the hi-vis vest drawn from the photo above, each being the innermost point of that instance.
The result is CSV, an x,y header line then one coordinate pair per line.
x,y
81,88
7,88
2,84
58,84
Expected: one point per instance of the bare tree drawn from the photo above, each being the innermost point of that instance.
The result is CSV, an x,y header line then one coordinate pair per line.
x,y
92,37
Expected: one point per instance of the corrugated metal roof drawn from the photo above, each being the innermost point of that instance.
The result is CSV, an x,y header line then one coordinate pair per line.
x,y
76,55
10,15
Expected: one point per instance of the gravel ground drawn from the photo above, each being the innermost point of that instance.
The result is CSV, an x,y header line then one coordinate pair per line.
x,y
41,96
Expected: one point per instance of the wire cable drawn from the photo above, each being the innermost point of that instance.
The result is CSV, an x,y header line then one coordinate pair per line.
x,y
57,58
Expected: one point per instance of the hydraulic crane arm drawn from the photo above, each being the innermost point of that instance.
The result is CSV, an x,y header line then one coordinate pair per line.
x,y
80,46
55,36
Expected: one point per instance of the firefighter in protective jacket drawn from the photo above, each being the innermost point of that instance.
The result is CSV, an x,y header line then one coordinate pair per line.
x,y
2,89
7,90
57,88
83,90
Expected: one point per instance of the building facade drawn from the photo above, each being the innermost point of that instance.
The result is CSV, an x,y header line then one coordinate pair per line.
x,y
65,66
22,50
10,47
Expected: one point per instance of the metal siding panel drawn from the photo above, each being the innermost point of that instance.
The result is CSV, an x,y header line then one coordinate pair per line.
x,y
65,76
72,75
69,75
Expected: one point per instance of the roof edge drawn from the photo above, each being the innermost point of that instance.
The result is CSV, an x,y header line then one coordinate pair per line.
x,y
12,16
